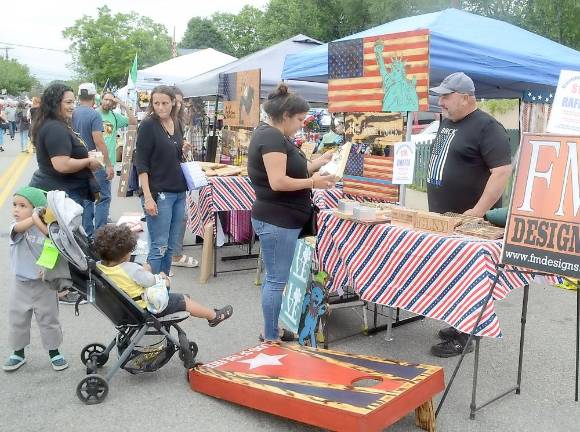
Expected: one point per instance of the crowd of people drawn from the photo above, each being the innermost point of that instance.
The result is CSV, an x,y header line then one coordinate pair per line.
x,y
17,117
468,172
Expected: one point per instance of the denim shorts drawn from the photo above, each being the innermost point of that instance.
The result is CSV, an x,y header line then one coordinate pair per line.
x,y
176,303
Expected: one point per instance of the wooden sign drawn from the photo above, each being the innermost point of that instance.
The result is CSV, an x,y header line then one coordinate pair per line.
x,y
241,93
127,165
332,390
543,228
380,129
435,222
403,217
293,297
388,73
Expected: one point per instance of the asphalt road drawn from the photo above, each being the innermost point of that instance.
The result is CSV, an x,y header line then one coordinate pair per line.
x,y
37,398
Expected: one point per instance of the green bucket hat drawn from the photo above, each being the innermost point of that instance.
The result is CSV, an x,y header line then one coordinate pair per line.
x,y
35,196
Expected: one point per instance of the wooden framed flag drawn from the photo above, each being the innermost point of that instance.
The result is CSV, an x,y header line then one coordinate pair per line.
x,y
241,93
370,176
386,73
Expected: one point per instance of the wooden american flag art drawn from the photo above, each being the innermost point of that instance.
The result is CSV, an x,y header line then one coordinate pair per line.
x,y
387,73
370,176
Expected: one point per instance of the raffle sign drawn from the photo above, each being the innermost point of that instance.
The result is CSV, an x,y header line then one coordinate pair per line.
x,y
565,115
543,229
404,163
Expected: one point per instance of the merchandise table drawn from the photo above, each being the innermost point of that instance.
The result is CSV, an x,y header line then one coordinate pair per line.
x,y
236,193
441,277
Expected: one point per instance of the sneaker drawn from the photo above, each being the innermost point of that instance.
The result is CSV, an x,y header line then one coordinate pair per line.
x,y
448,333
13,362
58,363
71,298
453,347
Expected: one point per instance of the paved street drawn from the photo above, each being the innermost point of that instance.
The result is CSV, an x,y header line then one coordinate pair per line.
x,y
36,397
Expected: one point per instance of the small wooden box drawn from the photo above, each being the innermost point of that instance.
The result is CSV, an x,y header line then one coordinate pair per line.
x,y
403,217
435,222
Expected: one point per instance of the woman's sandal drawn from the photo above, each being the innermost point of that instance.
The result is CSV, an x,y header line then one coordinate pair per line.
x,y
185,261
221,315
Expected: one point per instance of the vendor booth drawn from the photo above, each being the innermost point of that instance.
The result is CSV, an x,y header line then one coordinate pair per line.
x,y
400,266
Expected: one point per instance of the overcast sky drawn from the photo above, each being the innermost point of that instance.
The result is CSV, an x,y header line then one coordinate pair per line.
x,y
39,23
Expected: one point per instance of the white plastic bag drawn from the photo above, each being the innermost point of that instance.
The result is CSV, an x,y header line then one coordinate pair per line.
x,y
156,296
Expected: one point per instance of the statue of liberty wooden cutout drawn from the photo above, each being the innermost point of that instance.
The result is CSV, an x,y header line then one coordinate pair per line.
x,y
400,92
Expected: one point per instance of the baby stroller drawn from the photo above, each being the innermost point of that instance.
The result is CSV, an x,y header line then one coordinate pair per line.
x,y
131,322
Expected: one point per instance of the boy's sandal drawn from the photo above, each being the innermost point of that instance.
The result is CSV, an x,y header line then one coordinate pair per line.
x,y
58,362
13,362
185,261
221,315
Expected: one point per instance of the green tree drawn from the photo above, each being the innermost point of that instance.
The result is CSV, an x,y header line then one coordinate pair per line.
x,y
202,33
15,77
103,48
242,31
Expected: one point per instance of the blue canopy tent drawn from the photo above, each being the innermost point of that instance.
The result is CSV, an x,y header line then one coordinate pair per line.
x,y
503,60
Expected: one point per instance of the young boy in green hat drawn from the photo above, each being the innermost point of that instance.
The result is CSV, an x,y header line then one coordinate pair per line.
x,y
29,293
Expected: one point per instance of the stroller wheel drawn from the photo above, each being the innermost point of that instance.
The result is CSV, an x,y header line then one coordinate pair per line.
x,y
192,348
92,389
95,351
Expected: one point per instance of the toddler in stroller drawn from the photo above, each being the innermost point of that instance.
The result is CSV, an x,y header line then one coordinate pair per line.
x,y
132,322
114,244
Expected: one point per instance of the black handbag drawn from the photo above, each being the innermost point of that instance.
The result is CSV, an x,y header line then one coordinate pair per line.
x,y
310,228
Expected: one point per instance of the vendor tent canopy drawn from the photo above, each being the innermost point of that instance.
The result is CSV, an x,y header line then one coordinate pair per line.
x,y
177,69
502,59
270,60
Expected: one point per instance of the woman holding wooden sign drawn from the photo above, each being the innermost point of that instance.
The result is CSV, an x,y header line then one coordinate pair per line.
x,y
283,179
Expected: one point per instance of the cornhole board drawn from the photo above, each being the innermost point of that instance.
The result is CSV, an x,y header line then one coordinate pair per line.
x,y
324,388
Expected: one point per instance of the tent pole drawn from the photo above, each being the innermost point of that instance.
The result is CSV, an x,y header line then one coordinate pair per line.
x,y
403,188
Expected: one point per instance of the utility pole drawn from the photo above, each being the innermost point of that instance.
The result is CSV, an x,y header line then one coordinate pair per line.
x,y
6,50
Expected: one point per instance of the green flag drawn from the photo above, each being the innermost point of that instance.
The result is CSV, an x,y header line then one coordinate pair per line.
x,y
132,80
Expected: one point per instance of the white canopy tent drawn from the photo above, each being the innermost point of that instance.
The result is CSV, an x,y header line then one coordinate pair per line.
x,y
177,69
270,61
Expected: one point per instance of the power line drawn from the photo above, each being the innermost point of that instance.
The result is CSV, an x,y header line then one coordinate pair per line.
x,y
33,47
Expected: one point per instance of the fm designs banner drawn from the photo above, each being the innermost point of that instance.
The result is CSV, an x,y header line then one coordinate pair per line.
x,y
386,73
241,93
543,230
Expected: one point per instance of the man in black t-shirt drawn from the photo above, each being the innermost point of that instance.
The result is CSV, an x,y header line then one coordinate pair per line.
x,y
469,168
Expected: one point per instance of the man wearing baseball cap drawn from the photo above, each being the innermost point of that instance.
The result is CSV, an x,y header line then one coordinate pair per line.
x,y
89,125
469,169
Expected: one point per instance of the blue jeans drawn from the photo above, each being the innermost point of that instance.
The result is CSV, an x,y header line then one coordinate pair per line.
x,y
278,246
95,215
12,128
165,230
23,139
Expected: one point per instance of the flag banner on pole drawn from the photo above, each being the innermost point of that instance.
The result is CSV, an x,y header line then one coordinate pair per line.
x,y
388,73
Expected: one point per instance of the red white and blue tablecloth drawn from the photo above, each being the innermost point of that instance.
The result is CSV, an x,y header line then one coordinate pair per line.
x,y
221,194
236,194
446,278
